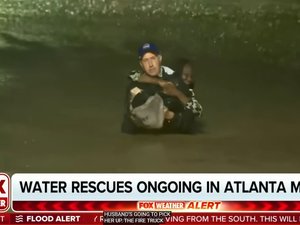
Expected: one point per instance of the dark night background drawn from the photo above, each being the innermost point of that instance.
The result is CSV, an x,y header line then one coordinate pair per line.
x,y
63,68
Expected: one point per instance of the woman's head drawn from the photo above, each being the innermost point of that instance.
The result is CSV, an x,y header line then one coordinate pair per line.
x,y
185,70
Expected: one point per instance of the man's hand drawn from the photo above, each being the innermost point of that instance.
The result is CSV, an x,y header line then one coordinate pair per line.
x,y
170,89
163,83
169,115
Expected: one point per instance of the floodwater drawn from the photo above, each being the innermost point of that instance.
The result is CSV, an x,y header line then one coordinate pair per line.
x,y
63,68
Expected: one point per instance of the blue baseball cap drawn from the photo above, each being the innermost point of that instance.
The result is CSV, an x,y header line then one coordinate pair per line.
x,y
147,47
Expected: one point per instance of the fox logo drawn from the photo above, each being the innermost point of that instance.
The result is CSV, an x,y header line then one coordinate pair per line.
x,y
4,192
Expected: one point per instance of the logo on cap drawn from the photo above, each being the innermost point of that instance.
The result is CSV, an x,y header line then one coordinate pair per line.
x,y
147,45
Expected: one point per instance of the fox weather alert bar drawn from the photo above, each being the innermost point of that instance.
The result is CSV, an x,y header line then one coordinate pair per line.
x,y
148,198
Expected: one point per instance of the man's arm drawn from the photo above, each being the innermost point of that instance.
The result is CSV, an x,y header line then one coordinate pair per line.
x,y
184,121
143,78
190,103
170,89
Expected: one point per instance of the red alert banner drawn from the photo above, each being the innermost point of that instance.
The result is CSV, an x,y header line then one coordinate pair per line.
x,y
142,218
183,206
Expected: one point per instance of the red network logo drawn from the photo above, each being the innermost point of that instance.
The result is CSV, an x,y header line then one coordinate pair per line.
x,y
4,192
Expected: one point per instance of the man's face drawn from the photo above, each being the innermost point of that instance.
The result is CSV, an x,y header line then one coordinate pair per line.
x,y
151,64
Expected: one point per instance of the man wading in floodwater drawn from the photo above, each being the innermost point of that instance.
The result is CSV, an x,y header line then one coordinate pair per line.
x,y
157,98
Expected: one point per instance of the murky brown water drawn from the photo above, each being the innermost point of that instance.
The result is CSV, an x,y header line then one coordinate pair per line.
x,y
64,114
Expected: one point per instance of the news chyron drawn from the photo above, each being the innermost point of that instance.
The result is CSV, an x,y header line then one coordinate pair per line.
x,y
4,192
